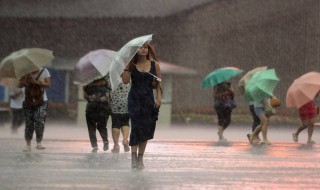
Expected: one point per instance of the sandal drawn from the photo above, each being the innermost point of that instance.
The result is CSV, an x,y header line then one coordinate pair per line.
x,y
266,142
250,138
40,147
126,145
311,142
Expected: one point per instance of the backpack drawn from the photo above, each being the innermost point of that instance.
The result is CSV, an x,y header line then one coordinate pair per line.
x,y
33,95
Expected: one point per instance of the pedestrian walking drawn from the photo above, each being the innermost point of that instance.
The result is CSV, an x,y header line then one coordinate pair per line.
x,y
97,94
224,103
120,117
35,105
308,115
143,107
255,123
264,111
17,96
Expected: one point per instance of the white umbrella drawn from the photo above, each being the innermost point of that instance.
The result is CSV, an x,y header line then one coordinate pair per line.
x,y
124,56
24,61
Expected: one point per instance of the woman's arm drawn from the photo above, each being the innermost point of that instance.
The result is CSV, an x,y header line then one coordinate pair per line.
x,y
159,86
126,74
46,83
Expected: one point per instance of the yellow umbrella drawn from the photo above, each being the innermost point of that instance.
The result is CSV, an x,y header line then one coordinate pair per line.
x,y
24,61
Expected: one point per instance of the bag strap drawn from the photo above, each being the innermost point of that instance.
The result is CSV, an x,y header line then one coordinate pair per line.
x,y
39,74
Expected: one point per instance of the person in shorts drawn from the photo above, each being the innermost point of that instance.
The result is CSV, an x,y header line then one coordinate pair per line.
x,y
260,111
308,116
120,117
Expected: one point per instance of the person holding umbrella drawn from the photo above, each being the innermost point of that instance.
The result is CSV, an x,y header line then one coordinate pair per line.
x,y
241,84
223,95
302,95
97,94
26,65
224,104
143,108
260,89
35,115
308,116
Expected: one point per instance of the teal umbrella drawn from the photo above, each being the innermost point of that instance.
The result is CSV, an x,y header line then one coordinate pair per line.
x,y
261,85
219,75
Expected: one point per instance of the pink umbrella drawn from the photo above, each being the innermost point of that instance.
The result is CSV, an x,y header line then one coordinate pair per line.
x,y
94,65
303,89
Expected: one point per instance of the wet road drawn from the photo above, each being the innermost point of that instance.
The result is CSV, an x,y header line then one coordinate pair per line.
x,y
179,158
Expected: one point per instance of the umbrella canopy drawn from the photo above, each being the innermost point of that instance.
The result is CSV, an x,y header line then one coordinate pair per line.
x,y
261,85
245,78
219,75
93,65
124,56
9,82
24,61
303,89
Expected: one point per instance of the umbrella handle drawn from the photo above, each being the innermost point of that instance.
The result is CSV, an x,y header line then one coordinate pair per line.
x,y
157,78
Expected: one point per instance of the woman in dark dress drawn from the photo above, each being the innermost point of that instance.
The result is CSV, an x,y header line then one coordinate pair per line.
x,y
143,106
223,104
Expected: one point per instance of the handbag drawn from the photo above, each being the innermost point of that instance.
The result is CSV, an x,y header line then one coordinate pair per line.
x,y
275,102
230,102
34,95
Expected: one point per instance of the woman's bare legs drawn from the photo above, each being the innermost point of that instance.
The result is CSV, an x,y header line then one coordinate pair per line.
x,y
115,137
309,123
310,131
263,127
137,160
125,133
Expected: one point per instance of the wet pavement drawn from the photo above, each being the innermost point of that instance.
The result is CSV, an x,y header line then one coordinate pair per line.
x,y
178,158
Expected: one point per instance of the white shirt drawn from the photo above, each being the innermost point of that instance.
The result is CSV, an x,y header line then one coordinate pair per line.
x,y
16,103
119,99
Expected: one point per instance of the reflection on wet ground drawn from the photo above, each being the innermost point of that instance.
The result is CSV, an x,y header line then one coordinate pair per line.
x,y
170,164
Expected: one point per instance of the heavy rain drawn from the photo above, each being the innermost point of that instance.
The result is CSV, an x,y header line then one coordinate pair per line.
x,y
199,44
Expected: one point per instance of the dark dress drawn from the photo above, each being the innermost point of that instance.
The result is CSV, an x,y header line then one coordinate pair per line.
x,y
224,105
143,114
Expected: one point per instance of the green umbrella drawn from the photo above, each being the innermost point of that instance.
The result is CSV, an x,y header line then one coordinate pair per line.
x,y
261,85
219,75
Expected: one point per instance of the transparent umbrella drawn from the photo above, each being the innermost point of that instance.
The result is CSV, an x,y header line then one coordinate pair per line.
x,y
124,56
24,61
